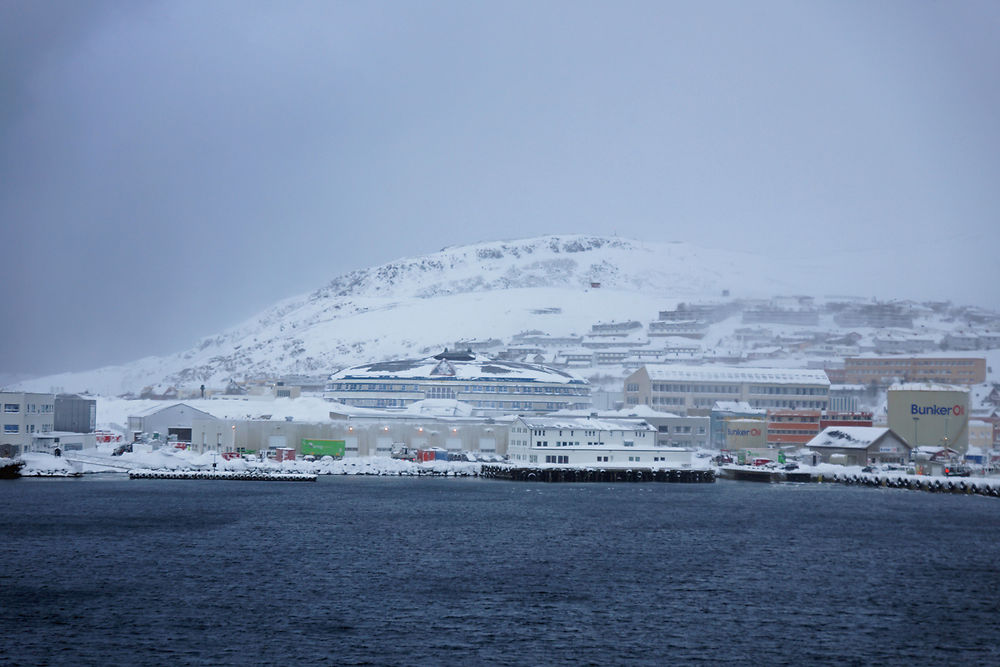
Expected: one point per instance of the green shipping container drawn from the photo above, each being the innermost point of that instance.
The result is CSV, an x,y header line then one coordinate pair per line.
x,y
323,447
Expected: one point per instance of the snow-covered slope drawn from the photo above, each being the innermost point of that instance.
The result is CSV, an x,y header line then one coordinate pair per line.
x,y
412,306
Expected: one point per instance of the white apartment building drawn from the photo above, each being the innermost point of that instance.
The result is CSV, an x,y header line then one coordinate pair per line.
x,y
24,414
677,388
589,442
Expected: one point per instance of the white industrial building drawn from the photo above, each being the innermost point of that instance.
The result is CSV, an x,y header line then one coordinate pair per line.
x,y
676,388
590,442
491,387
351,431
166,422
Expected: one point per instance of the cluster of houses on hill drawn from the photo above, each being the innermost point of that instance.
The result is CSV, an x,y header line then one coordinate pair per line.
x,y
741,331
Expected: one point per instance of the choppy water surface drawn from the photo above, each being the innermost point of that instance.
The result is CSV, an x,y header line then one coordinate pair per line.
x,y
458,571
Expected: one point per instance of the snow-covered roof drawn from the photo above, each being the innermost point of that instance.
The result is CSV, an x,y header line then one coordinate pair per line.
x,y
737,406
439,407
937,354
155,409
849,437
662,372
585,423
475,367
631,412
926,386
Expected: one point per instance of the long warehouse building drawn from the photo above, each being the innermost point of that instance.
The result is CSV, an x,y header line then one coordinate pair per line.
x,y
676,388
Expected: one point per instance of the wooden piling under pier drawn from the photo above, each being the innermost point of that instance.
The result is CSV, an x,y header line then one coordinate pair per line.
x,y
519,474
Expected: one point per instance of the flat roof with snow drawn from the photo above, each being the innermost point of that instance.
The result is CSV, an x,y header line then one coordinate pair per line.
x,y
661,372
586,424
927,386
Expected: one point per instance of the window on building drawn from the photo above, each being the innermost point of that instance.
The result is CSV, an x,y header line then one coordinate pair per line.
x,y
11,428
11,407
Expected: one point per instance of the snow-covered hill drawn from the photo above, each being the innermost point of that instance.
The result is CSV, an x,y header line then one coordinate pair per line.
x,y
416,305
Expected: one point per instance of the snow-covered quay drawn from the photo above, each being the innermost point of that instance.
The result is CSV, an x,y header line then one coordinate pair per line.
x,y
181,464
100,460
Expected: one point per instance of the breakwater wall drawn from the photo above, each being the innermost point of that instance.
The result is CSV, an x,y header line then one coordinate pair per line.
x,y
978,486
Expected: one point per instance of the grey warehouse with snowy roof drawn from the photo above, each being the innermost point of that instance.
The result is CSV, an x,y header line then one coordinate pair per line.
x,y
492,387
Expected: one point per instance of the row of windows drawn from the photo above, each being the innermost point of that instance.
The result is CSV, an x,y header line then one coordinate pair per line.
x,y
668,400
678,443
797,391
911,362
541,432
29,408
568,443
788,404
16,428
375,402
667,387
469,389
559,458
681,429
495,405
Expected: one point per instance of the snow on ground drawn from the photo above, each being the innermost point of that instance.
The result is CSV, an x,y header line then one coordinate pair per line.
x,y
113,413
100,460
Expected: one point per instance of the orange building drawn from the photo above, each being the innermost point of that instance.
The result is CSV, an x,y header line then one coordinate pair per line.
x,y
792,427
832,418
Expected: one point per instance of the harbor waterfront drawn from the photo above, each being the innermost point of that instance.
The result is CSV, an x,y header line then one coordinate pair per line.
x,y
438,570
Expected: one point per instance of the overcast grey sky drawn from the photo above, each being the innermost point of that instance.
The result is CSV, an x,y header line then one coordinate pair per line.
x,y
169,168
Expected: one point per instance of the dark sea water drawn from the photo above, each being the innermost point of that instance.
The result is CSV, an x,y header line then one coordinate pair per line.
x,y
404,571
